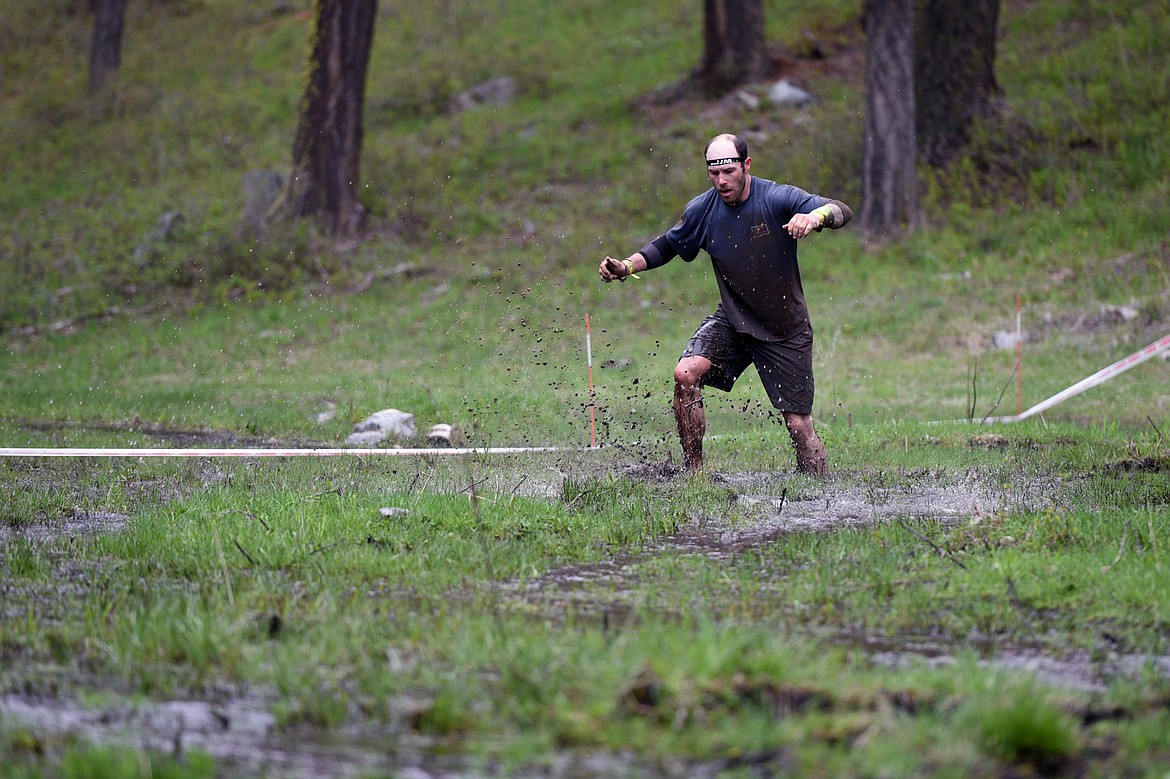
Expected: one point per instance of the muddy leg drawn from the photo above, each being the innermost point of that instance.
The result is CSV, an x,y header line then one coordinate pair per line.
x,y
688,409
810,452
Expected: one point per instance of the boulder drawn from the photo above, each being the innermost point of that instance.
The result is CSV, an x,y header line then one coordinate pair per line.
x,y
390,421
377,427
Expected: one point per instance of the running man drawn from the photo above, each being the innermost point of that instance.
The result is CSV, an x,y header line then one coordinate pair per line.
x,y
749,226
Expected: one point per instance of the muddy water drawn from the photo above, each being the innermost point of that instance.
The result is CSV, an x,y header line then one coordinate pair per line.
x,y
1075,672
835,507
241,735
1078,671
605,591
76,523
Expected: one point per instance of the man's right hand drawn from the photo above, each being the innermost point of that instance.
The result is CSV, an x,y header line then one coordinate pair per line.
x,y
612,270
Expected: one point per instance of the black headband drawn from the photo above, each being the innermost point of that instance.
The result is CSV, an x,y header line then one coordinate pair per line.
x,y
724,161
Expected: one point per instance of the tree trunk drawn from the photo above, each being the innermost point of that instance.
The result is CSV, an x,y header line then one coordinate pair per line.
x,y
105,53
733,45
954,73
889,185
326,152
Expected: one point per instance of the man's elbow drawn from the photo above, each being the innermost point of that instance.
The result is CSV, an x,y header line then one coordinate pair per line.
x,y
844,216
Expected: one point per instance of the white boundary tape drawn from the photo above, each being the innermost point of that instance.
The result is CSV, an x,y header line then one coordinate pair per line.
x,y
1100,377
82,452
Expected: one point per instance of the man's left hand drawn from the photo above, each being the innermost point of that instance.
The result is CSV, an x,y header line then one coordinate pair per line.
x,y
802,224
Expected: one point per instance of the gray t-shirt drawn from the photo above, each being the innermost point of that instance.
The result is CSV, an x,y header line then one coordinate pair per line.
x,y
754,258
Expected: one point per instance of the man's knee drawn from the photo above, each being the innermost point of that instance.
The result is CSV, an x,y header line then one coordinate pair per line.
x,y
688,374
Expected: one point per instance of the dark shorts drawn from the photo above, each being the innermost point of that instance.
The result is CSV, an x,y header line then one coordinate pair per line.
x,y
785,367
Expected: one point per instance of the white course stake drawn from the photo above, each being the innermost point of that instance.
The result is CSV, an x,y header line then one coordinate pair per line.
x,y
592,395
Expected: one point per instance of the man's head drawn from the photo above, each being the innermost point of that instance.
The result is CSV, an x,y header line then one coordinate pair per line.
x,y
728,164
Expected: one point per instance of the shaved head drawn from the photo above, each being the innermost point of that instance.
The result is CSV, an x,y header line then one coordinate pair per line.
x,y
728,164
726,146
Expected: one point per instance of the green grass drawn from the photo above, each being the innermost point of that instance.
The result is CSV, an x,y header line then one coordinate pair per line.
x,y
534,608
286,578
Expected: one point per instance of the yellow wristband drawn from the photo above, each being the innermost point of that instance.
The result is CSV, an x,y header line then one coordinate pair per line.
x,y
824,212
630,269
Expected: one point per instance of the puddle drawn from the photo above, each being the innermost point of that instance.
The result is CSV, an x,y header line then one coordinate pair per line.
x,y
239,733
580,589
769,517
242,736
78,522
834,509
1077,671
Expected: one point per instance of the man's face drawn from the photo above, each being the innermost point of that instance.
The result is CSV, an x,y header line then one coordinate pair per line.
x,y
730,181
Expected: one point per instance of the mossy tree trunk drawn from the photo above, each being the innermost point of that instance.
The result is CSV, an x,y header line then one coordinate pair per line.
x,y
326,152
889,182
954,73
105,52
734,51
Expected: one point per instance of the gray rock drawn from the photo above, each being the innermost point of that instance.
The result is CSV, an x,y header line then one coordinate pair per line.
x,y
327,413
785,93
747,100
1122,313
390,422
